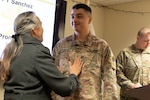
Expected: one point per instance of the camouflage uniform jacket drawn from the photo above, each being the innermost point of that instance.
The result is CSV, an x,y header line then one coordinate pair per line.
x,y
99,64
133,66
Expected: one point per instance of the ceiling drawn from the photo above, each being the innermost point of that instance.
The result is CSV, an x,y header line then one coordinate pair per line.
x,y
112,2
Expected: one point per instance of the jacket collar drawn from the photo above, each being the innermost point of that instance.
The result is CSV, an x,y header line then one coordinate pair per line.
x,y
28,39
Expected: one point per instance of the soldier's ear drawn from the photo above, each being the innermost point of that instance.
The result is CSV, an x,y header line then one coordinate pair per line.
x,y
90,20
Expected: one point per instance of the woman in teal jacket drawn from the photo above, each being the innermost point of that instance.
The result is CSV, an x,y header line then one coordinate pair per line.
x,y
28,69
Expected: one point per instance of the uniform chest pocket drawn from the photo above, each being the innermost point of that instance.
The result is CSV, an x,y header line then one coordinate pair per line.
x,y
63,54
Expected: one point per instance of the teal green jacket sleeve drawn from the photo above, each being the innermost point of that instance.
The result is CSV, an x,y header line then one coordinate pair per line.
x,y
50,75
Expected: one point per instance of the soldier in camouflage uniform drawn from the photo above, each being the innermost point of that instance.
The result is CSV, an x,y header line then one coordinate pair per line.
x,y
98,75
133,64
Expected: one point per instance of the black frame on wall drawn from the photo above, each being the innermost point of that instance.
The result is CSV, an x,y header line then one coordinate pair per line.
x,y
59,24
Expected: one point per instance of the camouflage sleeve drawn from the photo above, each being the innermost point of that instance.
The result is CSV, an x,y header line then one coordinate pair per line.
x,y
56,49
122,80
109,75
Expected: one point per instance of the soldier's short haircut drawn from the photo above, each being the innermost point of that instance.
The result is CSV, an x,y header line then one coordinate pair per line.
x,y
83,6
143,31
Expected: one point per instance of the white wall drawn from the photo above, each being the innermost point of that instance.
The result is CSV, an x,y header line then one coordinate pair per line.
x,y
120,28
1,91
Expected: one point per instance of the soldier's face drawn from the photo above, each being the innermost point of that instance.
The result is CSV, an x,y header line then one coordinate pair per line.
x,y
144,41
80,19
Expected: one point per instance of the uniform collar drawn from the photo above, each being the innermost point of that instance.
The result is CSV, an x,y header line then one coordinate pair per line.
x,y
87,42
136,50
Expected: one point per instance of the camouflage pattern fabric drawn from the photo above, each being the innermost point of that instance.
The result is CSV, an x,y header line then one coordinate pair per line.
x,y
133,66
98,75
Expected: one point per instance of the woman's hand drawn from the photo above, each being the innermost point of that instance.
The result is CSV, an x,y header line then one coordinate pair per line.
x,y
76,67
